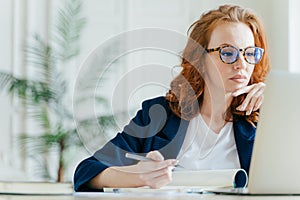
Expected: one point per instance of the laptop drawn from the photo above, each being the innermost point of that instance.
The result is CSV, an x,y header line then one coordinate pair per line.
x,y
275,164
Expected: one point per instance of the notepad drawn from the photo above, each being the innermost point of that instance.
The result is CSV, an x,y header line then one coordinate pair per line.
x,y
211,178
195,181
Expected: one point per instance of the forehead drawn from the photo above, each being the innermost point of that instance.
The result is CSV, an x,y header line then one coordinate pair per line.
x,y
234,33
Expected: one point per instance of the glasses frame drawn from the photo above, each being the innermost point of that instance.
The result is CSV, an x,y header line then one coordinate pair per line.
x,y
239,50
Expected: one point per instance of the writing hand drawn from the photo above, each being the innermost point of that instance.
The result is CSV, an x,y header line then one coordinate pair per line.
x,y
254,98
155,173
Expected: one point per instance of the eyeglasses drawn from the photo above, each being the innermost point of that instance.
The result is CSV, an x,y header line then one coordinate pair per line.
x,y
230,54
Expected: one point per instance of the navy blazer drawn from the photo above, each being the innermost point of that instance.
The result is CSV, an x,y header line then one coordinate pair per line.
x,y
155,127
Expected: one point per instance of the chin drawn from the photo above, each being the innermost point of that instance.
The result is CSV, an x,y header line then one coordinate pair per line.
x,y
238,86
235,88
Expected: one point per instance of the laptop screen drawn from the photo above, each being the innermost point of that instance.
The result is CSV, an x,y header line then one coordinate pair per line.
x,y
275,164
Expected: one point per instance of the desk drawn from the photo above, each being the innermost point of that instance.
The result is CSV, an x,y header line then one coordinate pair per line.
x,y
139,196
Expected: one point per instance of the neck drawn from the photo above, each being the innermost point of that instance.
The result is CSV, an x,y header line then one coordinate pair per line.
x,y
215,104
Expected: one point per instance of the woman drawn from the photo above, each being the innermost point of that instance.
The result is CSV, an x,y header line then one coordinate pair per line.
x,y
208,118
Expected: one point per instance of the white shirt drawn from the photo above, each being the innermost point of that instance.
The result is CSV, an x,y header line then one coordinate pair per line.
x,y
203,149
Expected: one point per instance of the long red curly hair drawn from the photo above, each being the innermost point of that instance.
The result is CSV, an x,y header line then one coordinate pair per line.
x,y
186,90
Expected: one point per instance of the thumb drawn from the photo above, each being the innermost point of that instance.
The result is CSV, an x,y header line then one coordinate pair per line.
x,y
155,155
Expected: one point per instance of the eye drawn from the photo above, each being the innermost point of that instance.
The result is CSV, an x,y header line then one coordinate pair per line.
x,y
227,53
252,54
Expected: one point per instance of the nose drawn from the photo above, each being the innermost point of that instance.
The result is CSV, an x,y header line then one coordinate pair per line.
x,y
241,63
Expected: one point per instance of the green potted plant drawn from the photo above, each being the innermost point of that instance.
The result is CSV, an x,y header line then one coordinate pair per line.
x,y
44,95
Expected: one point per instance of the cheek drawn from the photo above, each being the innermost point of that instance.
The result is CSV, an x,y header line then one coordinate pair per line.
x,y
223,70
214,66
250,70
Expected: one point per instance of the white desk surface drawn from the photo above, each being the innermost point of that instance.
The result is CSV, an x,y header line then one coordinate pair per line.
x,y
137,196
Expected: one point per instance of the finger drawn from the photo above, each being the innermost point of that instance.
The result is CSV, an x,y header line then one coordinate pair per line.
x,y
160,179
154,174
253,95
249,111
247,89
250,107
155,155
258,103
146,166
150,166
249,104
243,90
253,101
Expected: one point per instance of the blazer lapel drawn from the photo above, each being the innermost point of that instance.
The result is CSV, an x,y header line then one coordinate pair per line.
x,y
244,134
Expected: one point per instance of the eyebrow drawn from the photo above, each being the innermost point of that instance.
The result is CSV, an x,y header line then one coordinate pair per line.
x,y
226,44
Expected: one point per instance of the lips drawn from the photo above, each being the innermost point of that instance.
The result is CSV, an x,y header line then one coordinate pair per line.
x,y
239,78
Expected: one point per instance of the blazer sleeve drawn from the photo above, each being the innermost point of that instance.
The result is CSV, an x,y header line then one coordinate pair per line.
x,y
136,137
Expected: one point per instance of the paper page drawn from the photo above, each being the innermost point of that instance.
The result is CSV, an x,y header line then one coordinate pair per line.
x,y
194,182
165,189
215,178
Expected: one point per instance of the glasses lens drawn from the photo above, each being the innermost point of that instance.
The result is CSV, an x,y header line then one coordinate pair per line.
x,y
229,54
253,54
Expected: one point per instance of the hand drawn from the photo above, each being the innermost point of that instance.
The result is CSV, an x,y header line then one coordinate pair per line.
x,y
254,98
154,174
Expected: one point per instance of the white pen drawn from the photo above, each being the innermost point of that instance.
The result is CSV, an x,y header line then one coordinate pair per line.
x,y
137,157
143,158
